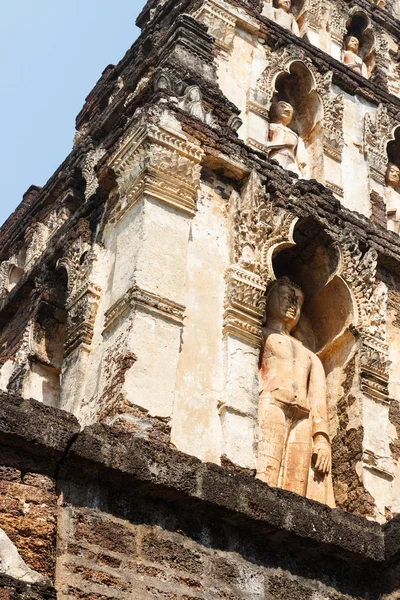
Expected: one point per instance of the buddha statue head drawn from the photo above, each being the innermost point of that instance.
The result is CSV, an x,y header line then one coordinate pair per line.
x,y
352,44
281,112
392,176
284,5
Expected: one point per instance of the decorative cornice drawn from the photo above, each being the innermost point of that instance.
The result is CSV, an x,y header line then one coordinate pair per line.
x,y
160,162
150,302
332,152
256,145
244,305
256,107
157,304
336,189
378,464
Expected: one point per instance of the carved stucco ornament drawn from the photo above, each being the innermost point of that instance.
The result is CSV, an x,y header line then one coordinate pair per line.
x,y
83,295
319,13
220,22
89,173
358,270
378,132
222,18
193,104
157,160
258,228
5,266
36,237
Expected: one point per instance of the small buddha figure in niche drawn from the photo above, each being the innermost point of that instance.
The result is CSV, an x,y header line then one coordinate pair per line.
x,y
283,142
351,58
294,450
192,103
282,15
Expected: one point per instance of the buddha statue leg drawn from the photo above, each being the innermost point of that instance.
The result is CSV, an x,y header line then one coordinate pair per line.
x,y
272,433
297,463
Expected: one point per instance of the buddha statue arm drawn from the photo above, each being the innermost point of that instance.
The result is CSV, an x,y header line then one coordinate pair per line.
x,y
319,417
364,70
295,27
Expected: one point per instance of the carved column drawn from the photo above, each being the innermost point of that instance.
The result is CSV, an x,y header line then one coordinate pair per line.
x,y
36,346
82,303
258,228
158,173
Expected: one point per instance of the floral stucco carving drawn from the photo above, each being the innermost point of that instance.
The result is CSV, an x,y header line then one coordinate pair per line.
x,y
378,132
258,228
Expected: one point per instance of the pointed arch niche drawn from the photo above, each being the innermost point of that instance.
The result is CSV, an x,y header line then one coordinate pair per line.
x,y
317,114
392,182
382,151
343,323
313,262
359,26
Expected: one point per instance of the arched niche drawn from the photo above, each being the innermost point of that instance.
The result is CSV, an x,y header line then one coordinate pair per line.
x,y
40,340
393,148
392,182
314,263
15,275
12,270
297,86
359,26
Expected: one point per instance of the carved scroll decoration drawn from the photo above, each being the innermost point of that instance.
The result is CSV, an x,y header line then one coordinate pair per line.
x,y
358,270
221,23
333,105
36,237
89,173
317,11
378,132
258,228
83,295
160,162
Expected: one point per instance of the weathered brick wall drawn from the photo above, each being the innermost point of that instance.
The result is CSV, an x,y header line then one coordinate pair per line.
x,y
28,506
33,439
347,450
136,520
119,544
11,589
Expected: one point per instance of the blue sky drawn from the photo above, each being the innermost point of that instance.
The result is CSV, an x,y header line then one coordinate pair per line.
x,y
53,52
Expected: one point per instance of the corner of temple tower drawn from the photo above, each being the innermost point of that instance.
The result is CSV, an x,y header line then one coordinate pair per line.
x,y
199,318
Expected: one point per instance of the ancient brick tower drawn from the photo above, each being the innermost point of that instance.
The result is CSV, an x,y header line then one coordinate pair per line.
x,y
200,317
